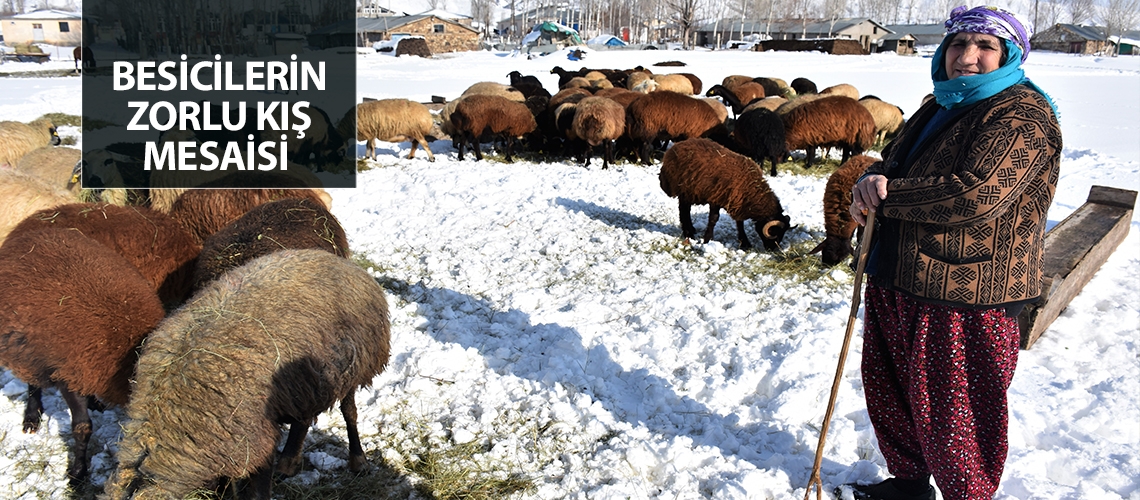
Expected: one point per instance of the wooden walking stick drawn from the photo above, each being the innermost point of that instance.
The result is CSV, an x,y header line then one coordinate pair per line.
x,y
860,264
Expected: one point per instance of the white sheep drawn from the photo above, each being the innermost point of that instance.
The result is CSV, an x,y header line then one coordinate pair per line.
x,y
18,139
278,340
391,120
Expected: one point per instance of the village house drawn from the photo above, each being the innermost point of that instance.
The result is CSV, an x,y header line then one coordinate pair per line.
x,y
442,34
1072,39
52,27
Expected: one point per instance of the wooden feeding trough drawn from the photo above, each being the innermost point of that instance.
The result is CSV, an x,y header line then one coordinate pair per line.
x,y
1074,250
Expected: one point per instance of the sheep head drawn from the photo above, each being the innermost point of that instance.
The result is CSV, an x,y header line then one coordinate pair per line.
x,y
833,249
772,231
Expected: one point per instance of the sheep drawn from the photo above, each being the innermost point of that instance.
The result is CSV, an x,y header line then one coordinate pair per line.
x,y
771,103
888,117
529,85
739,96
645,86
494,88
669,116
636,79
829,121
623,96
732,81
205,211
700,171
791,104
837,221
289,223
278,340
18,139
160,248
563,75
476,115
55,165
676,83
23,195
75,311
391,120
804,86
599,121
760,133
771,86
718,107
578,82
694,81
842,89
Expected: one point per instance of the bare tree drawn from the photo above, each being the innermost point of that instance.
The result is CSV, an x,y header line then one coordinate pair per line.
x,y
1119,16
481,12
684,14
437,4
1081,11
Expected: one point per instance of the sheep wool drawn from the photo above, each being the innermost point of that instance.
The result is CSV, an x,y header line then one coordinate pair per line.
x,y
18,139
52,164
669,116
830,121
277,340
700,171
24,195
392,120
290,223
837,221
205,211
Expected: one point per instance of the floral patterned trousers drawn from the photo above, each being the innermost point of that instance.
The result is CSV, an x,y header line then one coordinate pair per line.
x,y
935,380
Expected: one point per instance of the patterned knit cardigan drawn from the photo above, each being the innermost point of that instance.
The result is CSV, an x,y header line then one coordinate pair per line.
x,y
964,219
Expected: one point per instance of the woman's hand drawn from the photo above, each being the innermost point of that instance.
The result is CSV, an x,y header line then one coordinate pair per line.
x,y
867,194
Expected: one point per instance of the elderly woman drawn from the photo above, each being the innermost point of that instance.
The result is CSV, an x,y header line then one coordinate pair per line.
x,y
961,198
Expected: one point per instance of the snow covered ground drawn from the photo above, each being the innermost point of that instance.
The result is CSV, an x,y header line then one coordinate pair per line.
x,y
551,313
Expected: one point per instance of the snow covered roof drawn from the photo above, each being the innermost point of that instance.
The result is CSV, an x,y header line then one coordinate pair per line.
x,y
48,14
605,40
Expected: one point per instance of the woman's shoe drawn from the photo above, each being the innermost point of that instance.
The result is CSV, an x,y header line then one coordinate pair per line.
x,y
887,490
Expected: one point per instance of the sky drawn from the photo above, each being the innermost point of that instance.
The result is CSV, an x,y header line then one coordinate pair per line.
x,y
552,314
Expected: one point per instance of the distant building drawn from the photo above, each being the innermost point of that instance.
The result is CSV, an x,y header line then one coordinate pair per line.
x,y
899,43
861,29
442,35
52,27
1072,39
924,34
372,8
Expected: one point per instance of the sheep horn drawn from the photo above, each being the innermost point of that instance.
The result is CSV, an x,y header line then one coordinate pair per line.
x,y
766,232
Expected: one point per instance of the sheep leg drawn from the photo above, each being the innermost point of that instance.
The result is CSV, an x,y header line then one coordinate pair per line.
x,y
687,229
356,460
508,147
34,410
289,461
81,433
810,156
644,153
744,243
423,144
714,215
459,141
261,483
475,146
607,154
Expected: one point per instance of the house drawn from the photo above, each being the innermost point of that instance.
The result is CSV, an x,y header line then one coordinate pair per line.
x,y
442,35
924,34
606,41
865,31
899,43
1073,39
372,8
1129,44
52,27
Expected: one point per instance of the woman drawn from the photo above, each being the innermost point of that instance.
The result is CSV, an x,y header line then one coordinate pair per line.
x,y
961,199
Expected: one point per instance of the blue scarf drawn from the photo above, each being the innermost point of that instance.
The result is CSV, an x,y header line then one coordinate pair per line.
x,y
966,90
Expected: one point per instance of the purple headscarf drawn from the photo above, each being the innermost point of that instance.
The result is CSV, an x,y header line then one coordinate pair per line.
x,y
991,21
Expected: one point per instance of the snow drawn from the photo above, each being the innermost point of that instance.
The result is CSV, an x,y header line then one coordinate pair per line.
x,y
552,312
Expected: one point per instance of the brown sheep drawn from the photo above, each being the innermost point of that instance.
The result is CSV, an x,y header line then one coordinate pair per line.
x,y
636,79
599,121
295,223
837,221
578,82
789,104
700,171
842,89
694,81
621,95
669,116
771,103
831,121
278,340
731,81
391,120
477,115
205,211
495,88
718,107
888,117
74,313
18,139
739,96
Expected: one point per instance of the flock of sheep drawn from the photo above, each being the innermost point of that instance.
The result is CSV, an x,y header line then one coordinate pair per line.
x,y
206,311
215,316
637,113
